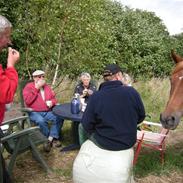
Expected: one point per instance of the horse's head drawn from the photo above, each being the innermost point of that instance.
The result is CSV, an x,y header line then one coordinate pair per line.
x,y
170,118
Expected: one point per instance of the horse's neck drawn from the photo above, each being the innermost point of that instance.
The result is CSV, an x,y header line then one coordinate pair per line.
x,y
179,67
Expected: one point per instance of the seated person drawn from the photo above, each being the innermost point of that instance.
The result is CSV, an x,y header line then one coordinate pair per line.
x,y
127,80
85,88
41,98
110,121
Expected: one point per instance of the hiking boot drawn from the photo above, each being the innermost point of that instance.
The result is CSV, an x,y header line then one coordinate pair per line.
x,y
47,146
57,143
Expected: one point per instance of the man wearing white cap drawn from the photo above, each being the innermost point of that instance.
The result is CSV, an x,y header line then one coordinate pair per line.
x,y
41,98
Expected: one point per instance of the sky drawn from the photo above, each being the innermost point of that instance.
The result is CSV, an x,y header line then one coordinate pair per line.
x,y
170,11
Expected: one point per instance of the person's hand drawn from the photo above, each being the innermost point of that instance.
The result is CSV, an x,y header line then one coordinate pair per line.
x,y
90,92
40,83
85,92
13,57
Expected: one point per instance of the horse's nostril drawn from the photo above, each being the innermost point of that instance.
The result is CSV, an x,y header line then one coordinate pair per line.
x,y
173,118
166,122
161,117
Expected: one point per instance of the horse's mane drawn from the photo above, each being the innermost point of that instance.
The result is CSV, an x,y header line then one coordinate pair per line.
x,y
178,60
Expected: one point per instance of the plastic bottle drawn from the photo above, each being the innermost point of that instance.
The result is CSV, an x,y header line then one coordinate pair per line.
x,y
75,104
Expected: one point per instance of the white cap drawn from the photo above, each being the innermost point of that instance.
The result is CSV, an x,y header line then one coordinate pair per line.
x,y
38,72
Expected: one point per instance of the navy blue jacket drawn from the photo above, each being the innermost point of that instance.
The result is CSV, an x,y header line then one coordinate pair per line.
x,y
112,115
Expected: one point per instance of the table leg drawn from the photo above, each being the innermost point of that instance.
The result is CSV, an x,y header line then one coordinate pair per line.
x,y
75,132
75,136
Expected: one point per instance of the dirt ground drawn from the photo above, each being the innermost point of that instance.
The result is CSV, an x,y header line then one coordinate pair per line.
x,y
27,170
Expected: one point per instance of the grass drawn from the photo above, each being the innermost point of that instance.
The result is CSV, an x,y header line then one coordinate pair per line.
x,y
63,172
66,132
154,94
149,162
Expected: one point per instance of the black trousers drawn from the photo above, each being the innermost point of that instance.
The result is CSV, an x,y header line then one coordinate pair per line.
x,y
6,178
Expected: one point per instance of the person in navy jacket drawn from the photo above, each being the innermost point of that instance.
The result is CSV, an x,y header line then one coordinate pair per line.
x,y
110,120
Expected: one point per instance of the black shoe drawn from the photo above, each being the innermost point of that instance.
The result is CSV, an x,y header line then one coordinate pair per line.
x,y
70,147
57,143
47,146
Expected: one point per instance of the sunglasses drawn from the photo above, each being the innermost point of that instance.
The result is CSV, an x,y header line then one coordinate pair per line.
x,y
42,76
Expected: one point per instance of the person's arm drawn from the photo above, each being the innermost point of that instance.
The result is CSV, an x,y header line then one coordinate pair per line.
x,y
88,119
76,89
79,89
8,84
92,89
9,77
140,108
30,94
52,97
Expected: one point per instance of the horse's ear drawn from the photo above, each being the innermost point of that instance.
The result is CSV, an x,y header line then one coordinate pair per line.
x,y
176,57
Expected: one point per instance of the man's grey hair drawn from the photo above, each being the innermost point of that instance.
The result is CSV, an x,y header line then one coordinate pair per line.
x,y
4,23
85,74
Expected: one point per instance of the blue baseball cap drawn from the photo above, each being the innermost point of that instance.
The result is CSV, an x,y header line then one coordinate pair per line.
x,y
111,69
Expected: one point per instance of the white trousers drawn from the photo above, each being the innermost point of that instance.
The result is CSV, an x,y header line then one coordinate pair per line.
x,y
96,165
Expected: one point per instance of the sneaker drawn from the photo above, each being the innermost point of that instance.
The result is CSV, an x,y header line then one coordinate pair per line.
x,y
57,143
47,146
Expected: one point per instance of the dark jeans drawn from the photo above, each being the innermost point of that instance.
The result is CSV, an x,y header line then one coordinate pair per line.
x,y
41,119
6,178
83,136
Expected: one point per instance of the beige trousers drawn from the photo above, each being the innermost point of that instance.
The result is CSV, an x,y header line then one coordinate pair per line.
x,y
96,165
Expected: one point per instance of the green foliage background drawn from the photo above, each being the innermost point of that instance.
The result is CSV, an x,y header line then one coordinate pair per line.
x,y
78,35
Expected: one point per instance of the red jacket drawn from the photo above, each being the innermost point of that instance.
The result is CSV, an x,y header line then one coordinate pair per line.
x,y
33,99
8,86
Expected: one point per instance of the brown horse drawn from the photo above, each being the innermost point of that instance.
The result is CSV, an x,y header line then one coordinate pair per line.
x,y
170,118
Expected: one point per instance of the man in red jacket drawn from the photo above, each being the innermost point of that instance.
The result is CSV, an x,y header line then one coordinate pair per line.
x,y
8,78
41,98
